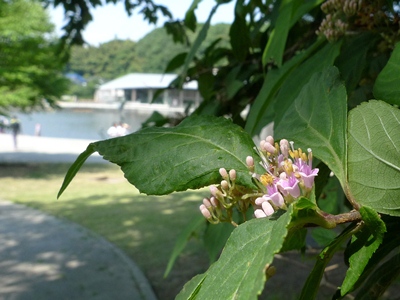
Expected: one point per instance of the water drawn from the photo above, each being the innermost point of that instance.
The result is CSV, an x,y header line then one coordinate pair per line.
x,y
78,124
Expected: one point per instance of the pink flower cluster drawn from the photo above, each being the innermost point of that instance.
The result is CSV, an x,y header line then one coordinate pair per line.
x,y
219,206
289,175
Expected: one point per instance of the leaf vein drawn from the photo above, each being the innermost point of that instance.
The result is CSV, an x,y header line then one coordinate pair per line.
x,y
375,155
321,137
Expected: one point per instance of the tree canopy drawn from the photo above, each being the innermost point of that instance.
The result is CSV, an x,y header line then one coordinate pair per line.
x,y
150,54
31,62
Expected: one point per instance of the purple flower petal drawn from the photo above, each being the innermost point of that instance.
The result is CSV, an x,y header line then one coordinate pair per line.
x,y
267,208
259,213
289,186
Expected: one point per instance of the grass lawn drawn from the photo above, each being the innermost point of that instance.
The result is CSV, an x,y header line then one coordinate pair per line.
x,y
99,198
145,227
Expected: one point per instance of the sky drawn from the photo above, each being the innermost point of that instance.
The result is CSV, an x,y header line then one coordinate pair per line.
x,y
111,21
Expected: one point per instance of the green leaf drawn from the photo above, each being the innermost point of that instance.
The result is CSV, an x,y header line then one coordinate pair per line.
x,y
332,199
182,240
177,61
156,119
191,288
373,156
323,236
380,279
317,119
295,240
387,84
240,271
206,85
277,40
311,286
392,242
364,243
190,20
301,76
197,43
263,103
322,179
239,37
159,161
75,167
289,13
352,63
233,82
215,238
303,8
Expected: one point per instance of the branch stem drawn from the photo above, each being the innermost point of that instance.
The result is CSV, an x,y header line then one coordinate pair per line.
x,y
350,216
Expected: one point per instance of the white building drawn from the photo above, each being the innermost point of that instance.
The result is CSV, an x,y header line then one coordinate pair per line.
x,y
141,88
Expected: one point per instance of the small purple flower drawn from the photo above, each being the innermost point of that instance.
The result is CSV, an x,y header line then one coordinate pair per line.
x,y
289,186
274,195
306,171
307,175
299,163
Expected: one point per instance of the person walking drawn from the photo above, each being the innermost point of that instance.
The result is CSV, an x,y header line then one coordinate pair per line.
x,y
112,131
15,126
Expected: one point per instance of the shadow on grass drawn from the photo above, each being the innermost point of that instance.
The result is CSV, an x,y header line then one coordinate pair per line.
x,y
43,258
145,228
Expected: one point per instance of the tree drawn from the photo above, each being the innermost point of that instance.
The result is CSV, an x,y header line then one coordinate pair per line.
x,y
107,61
314,69
31,62
157,49
151,54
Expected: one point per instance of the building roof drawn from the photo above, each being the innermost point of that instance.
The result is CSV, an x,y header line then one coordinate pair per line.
x,y
144,81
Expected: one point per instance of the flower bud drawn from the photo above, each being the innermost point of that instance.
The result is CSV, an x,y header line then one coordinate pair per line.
x,y
216,192
225,185
269,148
214,202
284,146
250,161
206,202
223,173
270,140
213,190
232,175
205,212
